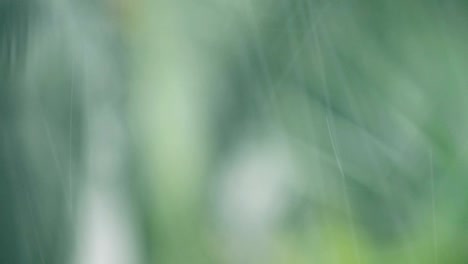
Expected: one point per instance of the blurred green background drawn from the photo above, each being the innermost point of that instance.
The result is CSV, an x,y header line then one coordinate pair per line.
x,y
237,132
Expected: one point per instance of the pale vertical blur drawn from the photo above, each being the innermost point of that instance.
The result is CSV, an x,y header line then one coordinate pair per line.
x,y
237,132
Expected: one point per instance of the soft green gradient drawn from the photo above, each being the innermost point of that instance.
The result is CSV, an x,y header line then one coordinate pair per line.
x,y
248,131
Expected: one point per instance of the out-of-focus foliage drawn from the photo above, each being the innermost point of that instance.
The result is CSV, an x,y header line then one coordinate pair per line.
x,y
249,131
